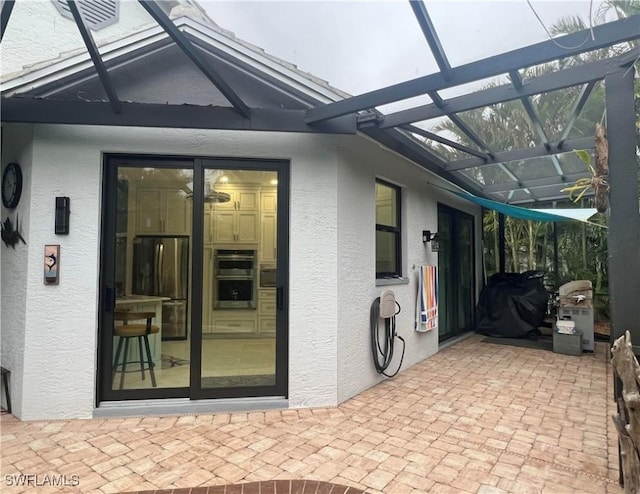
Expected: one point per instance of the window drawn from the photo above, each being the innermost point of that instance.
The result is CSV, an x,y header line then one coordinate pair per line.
x,y
388,258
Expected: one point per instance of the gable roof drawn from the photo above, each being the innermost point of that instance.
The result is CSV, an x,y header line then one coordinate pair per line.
x,y
282,98
56,76
144,66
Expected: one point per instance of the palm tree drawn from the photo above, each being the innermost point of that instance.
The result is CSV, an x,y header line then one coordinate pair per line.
x,y
507,126
619,9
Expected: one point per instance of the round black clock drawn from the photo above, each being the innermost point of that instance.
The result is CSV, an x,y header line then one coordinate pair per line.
x,y
11,185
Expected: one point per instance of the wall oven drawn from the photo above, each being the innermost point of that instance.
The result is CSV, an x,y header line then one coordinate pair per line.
x,y
235,279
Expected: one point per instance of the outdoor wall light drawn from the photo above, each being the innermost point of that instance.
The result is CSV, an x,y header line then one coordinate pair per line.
x,y
62,216
433,238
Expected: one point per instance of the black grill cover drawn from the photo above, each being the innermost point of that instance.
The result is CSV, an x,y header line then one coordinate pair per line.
x,y
512,305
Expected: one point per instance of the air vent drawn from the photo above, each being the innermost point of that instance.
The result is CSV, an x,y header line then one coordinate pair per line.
x,y
96,13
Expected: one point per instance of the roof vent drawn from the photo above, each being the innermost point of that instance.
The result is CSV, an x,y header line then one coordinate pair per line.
x,y
96,13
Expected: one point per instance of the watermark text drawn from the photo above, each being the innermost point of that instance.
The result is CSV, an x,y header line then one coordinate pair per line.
x,y
41,480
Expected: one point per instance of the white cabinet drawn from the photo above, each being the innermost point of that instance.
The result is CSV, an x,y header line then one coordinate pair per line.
x,y
233,321
242,199
236,221
267,310
268,200
162,211
268,228
268,237
237,227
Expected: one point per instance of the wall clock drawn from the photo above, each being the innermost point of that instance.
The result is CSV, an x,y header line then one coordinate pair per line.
x,y
11,185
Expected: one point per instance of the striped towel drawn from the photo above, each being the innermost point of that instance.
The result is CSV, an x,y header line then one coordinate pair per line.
x,y
427,300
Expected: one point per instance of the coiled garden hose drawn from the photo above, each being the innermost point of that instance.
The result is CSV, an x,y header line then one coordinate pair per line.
x,y
384,350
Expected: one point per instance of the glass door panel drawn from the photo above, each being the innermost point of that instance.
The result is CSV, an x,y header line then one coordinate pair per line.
x,y
456,272
193,279
240,251
446,293
466,277
151,326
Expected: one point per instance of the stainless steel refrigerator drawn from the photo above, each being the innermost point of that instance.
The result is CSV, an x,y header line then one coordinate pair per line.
x,y
161,269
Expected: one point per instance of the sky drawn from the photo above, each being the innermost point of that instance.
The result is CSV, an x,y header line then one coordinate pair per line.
x,y
359,46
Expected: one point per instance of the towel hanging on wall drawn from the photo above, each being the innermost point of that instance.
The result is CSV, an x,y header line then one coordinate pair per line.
x,y
427,299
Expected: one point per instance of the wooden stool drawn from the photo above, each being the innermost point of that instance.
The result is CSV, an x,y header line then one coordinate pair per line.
x,y
126,331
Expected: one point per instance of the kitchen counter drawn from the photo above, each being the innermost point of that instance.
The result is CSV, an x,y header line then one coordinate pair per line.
x,y
139,299
145,303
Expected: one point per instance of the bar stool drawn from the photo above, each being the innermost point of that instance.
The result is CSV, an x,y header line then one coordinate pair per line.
x,y
141,331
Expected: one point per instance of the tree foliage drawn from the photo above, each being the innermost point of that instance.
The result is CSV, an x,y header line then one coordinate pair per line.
x,y
582,248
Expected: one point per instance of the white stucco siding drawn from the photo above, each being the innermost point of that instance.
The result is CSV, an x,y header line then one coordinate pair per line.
x,y
313,279
331,251
356,273
361,162
37,32
16,147
61,321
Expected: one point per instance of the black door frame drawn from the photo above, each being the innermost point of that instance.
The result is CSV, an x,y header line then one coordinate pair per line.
x,y
456,214
282,279
106,278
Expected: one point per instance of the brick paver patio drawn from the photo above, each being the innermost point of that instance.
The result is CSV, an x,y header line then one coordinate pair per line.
x,y
476,417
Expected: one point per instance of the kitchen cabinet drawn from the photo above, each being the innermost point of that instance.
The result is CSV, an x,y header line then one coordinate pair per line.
x,y
268,200
229,227
235,221
234,321
268,225
162,211
242,199
235,227
267,310
267,325
268,238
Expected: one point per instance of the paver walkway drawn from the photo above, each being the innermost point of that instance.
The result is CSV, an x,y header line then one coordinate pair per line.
x,y
476,417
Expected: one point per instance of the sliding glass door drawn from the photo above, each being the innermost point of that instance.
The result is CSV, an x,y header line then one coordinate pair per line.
x,y
193,278
242,344
456,272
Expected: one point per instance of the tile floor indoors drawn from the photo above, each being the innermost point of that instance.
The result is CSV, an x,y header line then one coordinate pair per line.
x,y
476,417
220,357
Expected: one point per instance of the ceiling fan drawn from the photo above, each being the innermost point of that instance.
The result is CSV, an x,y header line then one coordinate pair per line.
x,y
213,196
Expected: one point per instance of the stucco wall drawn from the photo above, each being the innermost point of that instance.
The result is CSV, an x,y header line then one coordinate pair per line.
x,y
361,162
60,329
313,278
61,320
16,147
332,252
37,32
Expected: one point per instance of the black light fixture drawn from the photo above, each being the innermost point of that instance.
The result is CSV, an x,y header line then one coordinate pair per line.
x,y
433,238
62,216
